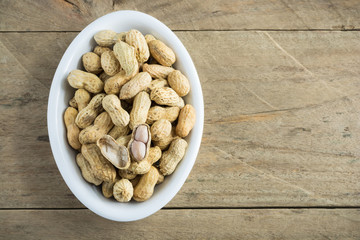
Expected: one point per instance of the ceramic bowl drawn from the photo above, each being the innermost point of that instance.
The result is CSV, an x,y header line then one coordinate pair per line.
x,y
61,92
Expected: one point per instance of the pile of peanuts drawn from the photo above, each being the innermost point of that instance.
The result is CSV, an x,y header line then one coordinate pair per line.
x,y
127,118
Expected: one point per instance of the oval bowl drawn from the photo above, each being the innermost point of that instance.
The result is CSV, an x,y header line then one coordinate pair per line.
x,y
61,92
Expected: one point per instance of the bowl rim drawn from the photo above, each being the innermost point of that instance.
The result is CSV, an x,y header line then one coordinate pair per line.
x,y
53,119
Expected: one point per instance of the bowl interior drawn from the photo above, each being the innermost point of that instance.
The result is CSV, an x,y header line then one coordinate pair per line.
x,y
61,93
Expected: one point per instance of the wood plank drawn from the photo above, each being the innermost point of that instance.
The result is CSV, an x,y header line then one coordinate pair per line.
x,y
281,120
74,15
185,224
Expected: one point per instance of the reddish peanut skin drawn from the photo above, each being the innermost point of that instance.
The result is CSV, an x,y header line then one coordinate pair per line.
x,y
186,120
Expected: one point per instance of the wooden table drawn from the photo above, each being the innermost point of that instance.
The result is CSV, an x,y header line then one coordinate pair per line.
x,y
280,155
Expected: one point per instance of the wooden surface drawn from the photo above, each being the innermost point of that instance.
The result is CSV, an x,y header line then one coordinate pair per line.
x,y
280,156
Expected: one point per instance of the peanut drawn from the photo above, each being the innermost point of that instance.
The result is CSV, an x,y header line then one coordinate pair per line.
x,y
101,168
88,81
137,40
160,129
101,126
115,83
120,37
99,50
166,96
137,84
157,113
140,109
91,62
179,83
123,190
145,188
117,154
86,171
82,98
162,53
157,71
144,166
118,131
140,142
186,120
112,105
88,114
127,57
109,63
157,83
108,187
105,38
72,129
171,158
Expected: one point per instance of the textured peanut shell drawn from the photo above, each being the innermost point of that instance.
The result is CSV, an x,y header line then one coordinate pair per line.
x,y
162,53
118,131
157,83
117,154
86,171
139,112
105,38
88,81
137,84
99,50
72,129
82,98
109,63
120,37
112,105
164,143
127,57
186,121
137,40
169,113
147,144
115,83
124,140
171,158
100,166
91,62
149,37
87,115
144,166
145,188
160,129
157,71
161,178
125,173
166,96
107,187
179,83
135,180
101,126
123,190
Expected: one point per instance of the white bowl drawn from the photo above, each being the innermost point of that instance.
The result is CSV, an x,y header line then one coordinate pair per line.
x,y
61,92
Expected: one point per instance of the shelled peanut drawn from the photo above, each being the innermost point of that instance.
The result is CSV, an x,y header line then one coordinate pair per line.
x,y
127,118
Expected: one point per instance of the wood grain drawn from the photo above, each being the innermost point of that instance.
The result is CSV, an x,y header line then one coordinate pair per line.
x,y
281,120
74,15
185,224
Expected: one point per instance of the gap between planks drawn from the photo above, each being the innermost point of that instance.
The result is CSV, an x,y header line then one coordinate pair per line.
x,y
218,30
197,208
